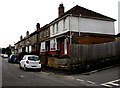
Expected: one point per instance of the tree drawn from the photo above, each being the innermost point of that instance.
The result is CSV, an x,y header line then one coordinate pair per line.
x,y
3,50
8,51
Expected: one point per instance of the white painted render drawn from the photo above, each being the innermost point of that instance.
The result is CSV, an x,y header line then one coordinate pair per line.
x,y
78,24
61,28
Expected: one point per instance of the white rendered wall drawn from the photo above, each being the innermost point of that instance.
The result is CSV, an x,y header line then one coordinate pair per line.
x,y
61,29
91,25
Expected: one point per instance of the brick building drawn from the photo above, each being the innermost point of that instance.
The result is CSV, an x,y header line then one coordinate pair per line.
x,y
76,26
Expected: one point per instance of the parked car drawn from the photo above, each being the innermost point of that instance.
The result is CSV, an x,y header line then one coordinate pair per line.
x,y
4,55
13,58
30,62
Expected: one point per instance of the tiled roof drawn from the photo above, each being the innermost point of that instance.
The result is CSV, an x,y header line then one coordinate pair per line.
x,y
86,13
78,10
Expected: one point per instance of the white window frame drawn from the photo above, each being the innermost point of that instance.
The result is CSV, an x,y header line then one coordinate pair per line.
x,y
57,28
47,33
26,49
30,48
42,49
53,29
64,24
65,46
53,44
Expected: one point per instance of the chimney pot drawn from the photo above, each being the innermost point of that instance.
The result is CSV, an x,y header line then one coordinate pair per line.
x,y
37,26
21,37
60,10
27,33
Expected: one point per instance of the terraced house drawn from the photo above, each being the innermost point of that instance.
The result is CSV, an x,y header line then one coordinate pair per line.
x,y
76,26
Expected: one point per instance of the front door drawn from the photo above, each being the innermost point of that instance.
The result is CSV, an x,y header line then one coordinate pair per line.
x,y
65,46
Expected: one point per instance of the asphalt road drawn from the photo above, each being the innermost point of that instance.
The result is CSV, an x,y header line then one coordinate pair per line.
x,y
13,76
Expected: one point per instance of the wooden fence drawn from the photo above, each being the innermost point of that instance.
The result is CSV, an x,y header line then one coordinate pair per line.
x,y
94,53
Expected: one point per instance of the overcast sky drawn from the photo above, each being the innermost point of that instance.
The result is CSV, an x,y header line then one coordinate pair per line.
x,y
19,16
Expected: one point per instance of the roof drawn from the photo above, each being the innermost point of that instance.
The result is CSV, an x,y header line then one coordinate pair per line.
x,y
85,13
76,11
43,28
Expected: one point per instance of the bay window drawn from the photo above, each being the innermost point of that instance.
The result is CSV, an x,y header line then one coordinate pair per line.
x,y
42,47
53,45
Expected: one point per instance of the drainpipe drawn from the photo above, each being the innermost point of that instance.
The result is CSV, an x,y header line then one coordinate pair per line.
x,y
70,28
79,24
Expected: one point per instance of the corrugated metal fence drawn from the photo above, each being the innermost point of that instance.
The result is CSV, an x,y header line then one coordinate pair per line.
x,y
94,53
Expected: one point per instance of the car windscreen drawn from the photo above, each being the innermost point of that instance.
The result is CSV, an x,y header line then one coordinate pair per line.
x,y
33,58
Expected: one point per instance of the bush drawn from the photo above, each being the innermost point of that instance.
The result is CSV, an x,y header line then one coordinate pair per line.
x,y
21,55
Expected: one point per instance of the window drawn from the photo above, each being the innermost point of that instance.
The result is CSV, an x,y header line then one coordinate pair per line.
x,y
53,45
42,47
64,24
33,58
57,30
40,35
53,30
30,48
47,32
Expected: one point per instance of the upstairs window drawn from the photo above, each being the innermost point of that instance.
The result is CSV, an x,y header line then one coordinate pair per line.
x,y
64,24
40,34
57,30
53,30
47,33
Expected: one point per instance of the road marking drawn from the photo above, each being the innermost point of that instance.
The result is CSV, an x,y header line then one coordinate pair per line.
x,y
91,82
107,85
80,80
111,83
115,84
87,82
116,80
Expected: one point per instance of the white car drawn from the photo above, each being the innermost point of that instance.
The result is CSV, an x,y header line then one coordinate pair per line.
x,y
30,61
4,55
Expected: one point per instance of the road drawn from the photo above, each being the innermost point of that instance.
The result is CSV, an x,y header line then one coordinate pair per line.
x,y
13,76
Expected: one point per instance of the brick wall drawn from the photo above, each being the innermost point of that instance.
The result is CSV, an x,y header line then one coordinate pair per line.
x,y
94,40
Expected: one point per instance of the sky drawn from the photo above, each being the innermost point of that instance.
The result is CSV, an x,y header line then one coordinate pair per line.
x,y
19,16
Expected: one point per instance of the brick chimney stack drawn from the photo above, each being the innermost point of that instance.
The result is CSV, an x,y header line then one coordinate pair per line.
x,y
38,26
60,10
21,37
27,33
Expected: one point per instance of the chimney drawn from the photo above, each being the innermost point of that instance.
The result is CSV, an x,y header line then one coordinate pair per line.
x,y
27,33
38,26
21,37
60,10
